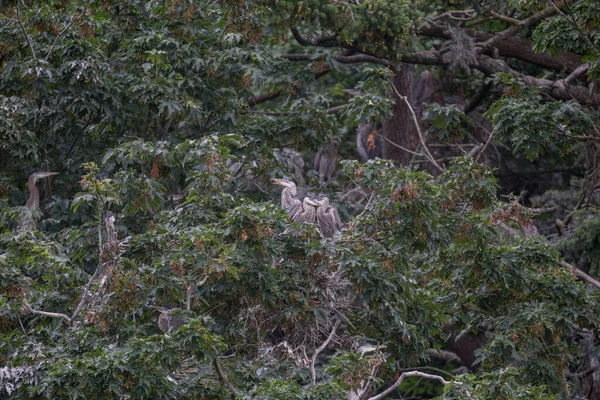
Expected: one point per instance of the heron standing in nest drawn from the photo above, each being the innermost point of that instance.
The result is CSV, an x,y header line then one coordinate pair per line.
x,y
306,212
289,201
26,221
167,322
328,218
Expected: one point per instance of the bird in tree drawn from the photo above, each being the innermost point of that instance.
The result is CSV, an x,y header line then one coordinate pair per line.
x,y
167,322
289,201
328,218
26,221
306,212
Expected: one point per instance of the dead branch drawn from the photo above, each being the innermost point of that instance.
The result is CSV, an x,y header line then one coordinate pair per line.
x,y
416,121
579,273
224,380
403,376
312,372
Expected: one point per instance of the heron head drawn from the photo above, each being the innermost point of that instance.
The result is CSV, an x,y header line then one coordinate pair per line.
x,y
284,182
36,176
322,200
310,201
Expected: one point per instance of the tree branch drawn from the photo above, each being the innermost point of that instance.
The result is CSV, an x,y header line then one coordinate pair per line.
x,y
224,380
25,32
403,376
312,372
416,121
527,22
579,273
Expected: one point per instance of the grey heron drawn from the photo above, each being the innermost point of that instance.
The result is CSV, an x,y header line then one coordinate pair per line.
x,y
328,218
167,322
289,201
26,222
306,212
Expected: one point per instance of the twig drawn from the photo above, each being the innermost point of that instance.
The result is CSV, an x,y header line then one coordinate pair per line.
x,y
313,375
58,36
504,18
416,121
527,22
25,32
403,376
45,313
402,148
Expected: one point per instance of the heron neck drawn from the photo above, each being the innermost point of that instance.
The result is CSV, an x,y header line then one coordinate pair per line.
x,y
34,195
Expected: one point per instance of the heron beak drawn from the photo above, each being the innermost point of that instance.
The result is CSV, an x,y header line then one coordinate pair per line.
x,y
46,174
312,202
158,308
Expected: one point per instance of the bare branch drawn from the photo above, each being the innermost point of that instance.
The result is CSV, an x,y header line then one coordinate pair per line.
x,y
25,32
579,273
526,23
416,121
223,378
45,313
504,18
313,375
405,375
582,69
58,36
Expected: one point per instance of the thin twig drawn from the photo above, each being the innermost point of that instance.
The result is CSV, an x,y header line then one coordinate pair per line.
x,y
416,121
580,274
25,32
58,36
313,375
403,376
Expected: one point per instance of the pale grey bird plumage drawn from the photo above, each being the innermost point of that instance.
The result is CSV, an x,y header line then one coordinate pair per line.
x,y
326,160
328,218
289,201
306,212
167,322
26,222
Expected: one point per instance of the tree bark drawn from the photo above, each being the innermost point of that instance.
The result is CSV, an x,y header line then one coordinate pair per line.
x,y
399,127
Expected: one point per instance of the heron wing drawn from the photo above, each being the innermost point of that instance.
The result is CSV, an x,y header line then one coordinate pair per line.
x,y
336,217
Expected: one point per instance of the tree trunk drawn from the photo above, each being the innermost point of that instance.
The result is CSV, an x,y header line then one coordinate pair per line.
x,y
399,127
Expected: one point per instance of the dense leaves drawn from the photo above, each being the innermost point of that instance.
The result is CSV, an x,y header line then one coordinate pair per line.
x,y
168,120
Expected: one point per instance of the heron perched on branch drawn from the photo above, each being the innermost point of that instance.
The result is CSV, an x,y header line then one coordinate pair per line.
x,y
289,201
328,218
26,221
306,212
167,322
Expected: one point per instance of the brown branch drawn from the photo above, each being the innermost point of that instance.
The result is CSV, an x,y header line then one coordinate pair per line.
x,y
505,18
416,121
261,98
224,380
58,36
29,309
351,59
526,23
520,49
25,32
579,273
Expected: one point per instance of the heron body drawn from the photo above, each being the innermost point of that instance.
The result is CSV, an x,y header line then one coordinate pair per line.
x,y
306,212
167,322
289,201
27,223
326,160
328,219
